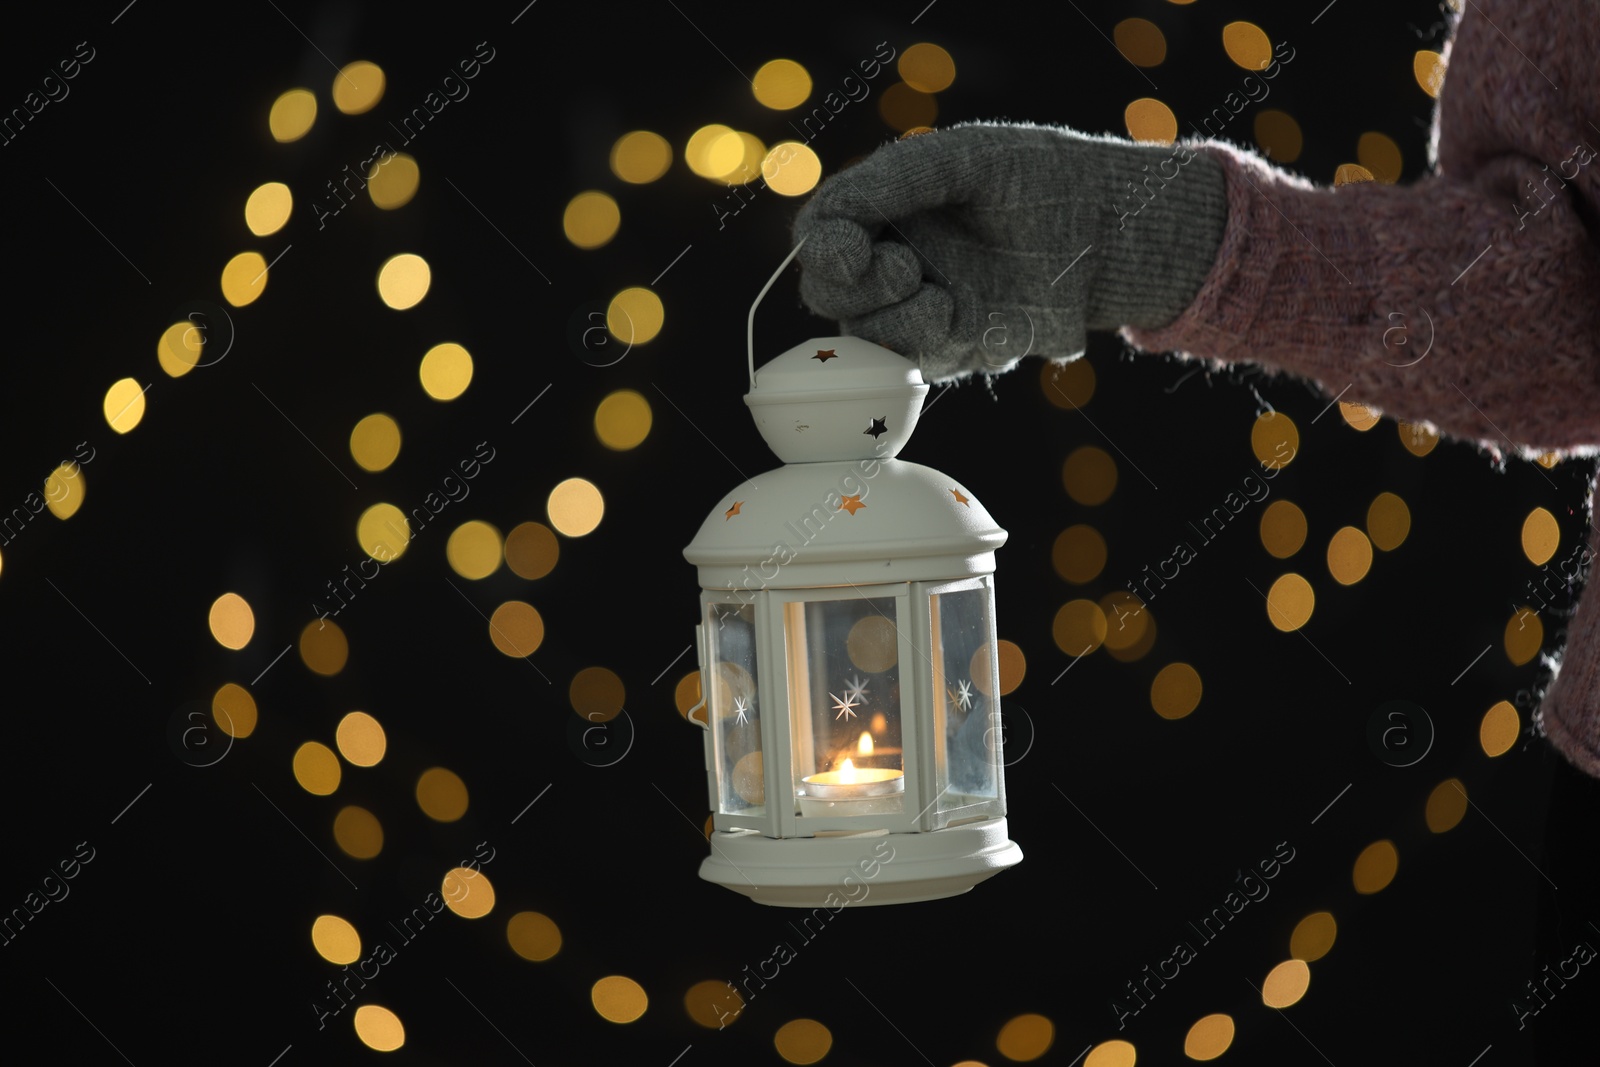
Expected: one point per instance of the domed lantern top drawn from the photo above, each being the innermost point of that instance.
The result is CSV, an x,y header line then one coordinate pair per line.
x,y
847,649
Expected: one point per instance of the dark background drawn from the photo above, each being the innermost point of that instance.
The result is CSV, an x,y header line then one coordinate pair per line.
x,y
187,938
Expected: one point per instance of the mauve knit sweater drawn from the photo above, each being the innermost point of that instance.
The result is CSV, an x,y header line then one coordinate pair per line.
x,y
1307,278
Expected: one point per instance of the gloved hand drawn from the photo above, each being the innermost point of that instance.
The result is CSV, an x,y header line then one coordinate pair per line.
x,y
967,248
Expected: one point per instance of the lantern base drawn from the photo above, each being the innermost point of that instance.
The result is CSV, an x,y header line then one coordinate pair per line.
x,y
876,867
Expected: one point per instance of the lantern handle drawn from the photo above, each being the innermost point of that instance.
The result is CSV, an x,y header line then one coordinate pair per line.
x,y
750,327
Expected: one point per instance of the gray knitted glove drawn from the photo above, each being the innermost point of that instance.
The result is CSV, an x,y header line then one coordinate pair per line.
x,y
967,248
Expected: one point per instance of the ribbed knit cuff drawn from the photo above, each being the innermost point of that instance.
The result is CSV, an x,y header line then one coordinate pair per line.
x,y
1168,213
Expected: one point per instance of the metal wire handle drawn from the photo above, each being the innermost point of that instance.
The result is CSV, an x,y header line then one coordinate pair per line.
x,y
750,328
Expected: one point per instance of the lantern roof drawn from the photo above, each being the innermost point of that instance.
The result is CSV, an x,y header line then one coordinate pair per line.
x,y
836,398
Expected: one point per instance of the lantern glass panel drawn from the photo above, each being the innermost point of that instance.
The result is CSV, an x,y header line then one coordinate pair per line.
x,y
966,687
730,692
845,706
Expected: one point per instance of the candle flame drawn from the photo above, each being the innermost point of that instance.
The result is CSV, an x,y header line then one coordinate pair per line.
x,y
847,773
864,746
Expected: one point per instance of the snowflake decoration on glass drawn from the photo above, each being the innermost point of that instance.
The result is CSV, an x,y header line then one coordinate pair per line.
x,y
856,687
845,705
961,696
740,708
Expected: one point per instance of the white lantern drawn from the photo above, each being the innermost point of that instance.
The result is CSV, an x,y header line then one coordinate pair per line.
x,y
847,650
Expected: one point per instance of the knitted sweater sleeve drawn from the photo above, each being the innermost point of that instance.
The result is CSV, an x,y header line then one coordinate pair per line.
x,y
1487,269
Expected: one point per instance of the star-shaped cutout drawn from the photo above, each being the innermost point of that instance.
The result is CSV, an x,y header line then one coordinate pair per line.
x,y
825,354
962,500
852,504
856,687
731,512
877,427
962,695
845,706
740,708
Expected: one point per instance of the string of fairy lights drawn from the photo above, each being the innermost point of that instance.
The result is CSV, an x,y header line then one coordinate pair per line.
x,y
636,315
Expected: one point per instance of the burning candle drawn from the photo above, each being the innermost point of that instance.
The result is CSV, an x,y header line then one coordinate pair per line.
x,y
852,790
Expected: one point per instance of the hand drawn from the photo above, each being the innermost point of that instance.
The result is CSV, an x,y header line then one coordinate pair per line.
x,y
967,248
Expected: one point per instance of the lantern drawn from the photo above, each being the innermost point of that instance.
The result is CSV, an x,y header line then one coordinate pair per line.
x,y
849,676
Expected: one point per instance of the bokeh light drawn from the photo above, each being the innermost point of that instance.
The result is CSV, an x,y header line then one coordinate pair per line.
x,y
1541,536
781,84
1428,68
1349,555
441,794
474,549
1151,121
1278,135
268,208
383,532
467,892
1359,416
1068,386
335,939
1274,439
575,507
358,87
292,115
597,694
124,404
791,168
532,550
1290,602
1351,174
358,832
1375,867
1140,41
323,647
802,1041
635,315
904,108
713,1004
591,219
375,442
1247,45
244,278
1379,154
1447,805
234,710
1209,1037
316,768
1113,1053
179,349
1417,439
1500,728
65,490
1313,936
640,157
516,628
1388,521
392,182
1283,528
1079,627
361,739
622,420
533,936
619,999
1524,636
403,280
1089,475
231,620
1079,554
1285,984
379,1028
445,371
1176,690
927,68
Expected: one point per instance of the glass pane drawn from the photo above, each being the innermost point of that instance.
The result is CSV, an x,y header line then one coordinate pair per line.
x,y
965,681
735,712
844,672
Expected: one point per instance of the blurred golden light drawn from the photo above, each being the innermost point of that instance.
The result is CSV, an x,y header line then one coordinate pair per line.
x,y
379,1028
635,315
268,208
697,150
1283,528
361,739
64,490
873,644
1067,386
1278,135
1013,665
1500,729
446,371
234,710
391,183
124,404
640,157
713,1004
516,628
1079,554
1290,602
791,168
358,832
403,280
473,550
1417,439
232,622
292,115
591,219
375,442
1428,68
1359,416
1176,691
532,550
1140,41
1524,636
533,936
1375,868
1548,460
1148,119
335,939
1126,619
623,419
467,892
927,68
1247,45
802,1041
1209,1037
619,999
1379,154
358,87
1447,805
1541,536
1132,653
244,278
179,348
441,794
1113,1053
323,647
747,153
903,108
383,533
1079,627
1351,174
316,768
597,694
1349,555
1286,984
1272,435
1388,521
575,507
1313,936
687,693
781,84
1090,475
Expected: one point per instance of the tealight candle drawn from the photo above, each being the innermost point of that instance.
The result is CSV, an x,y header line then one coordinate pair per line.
x,y
853,790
